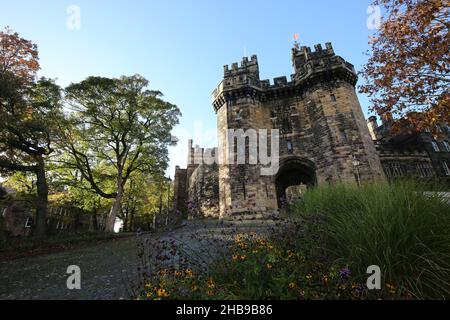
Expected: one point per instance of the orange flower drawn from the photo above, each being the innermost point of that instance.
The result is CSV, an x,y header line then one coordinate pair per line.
x,y
211,284
189,272
391,288
162,293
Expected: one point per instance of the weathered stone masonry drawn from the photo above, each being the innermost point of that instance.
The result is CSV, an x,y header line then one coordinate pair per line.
x,y
323,134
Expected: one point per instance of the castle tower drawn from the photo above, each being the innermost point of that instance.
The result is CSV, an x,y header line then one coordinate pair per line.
x,y
323,133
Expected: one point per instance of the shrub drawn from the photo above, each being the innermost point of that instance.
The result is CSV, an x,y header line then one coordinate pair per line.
x,y
254,267
260,268
321,251
399,227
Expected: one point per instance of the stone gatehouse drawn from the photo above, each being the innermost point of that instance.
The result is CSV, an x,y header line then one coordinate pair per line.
x,y
323,136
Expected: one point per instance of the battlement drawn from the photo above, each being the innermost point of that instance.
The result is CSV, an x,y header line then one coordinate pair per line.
x,y
310,67
306,61
198,155
305,54
278,82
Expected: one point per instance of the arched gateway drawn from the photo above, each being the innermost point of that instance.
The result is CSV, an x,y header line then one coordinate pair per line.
x,y
294,171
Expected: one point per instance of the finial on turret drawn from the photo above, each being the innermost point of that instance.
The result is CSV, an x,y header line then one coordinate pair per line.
x,y
296,44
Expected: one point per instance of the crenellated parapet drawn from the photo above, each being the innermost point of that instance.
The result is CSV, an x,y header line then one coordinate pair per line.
x,y
246,67
321,61
311,67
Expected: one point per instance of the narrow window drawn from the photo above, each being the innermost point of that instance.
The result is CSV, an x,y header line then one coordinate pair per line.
x,y
446,168
425,170
446,146
290,147
394,170
344,137
435,146
333,98
387,170
238,115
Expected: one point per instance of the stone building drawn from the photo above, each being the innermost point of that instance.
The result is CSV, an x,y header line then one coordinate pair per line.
x,y
323,137
408,154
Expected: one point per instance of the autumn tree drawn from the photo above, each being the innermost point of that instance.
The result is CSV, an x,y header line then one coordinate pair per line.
x,y
28,113
407,74
121,124
18,57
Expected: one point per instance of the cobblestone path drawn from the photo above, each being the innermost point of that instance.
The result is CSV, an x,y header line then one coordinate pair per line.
x,y
106,268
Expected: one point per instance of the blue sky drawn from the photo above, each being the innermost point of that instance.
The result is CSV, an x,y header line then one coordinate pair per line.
x,y
181,46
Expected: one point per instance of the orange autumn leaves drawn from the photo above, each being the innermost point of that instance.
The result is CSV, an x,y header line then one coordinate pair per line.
x,y
18,56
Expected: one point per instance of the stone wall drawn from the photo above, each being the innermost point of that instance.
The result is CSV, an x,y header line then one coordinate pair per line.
x,y
203,190
180,190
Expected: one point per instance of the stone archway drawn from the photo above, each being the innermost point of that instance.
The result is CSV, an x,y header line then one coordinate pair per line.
x,y
294,171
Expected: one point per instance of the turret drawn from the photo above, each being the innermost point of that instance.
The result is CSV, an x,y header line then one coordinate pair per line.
x,y
373,127
310,68
247,68
307,63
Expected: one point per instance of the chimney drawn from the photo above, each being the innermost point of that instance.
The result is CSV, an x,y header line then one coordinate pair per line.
x,y
386,118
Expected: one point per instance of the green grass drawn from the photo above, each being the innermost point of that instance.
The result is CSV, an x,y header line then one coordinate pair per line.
x,y
395,226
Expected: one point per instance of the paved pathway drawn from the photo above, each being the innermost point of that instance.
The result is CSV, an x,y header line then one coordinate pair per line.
x,y
106,268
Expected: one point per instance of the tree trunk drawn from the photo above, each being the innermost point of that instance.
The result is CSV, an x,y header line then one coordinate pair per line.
x,y
131,224
114,211
42,200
